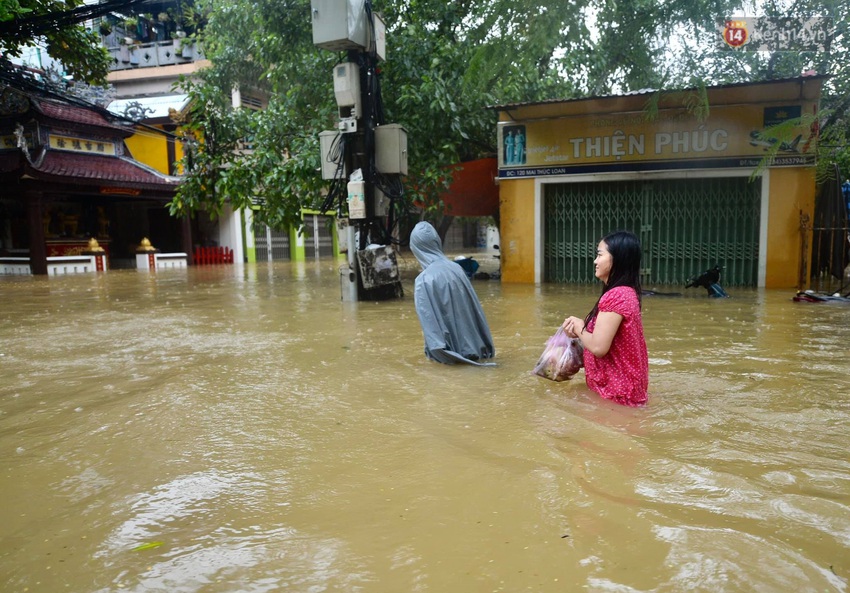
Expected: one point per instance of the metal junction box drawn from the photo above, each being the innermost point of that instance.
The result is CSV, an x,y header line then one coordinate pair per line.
x,y
347,89
381,204
339,25
380,29
333,165
391,149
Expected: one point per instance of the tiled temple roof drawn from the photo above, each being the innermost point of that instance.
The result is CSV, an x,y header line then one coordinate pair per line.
x,y
103,168
88,169
72,114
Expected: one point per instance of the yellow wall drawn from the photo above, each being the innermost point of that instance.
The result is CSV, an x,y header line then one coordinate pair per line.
x,y
151,148
791,190
556,147
516,212
178,152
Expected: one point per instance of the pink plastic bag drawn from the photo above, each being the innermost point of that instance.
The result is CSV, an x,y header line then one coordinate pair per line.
x,y
562,357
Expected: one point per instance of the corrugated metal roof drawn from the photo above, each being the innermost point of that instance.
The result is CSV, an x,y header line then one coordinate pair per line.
x,y
509,106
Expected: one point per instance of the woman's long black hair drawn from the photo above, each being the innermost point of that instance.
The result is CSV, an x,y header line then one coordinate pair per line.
x,y
625,251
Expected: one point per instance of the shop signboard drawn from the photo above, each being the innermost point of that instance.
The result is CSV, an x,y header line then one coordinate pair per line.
x,y
730,136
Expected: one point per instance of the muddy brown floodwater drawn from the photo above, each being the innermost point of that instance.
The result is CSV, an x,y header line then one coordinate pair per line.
x,y
243,429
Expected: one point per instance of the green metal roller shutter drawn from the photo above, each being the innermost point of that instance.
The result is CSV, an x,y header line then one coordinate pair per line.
x,y
685,225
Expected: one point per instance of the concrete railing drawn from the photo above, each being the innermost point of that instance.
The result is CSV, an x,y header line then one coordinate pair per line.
x,y
158,53
160,261
75,264
56,266
14,266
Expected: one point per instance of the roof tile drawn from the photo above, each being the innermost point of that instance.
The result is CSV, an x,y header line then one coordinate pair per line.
x,y
72,113
75,167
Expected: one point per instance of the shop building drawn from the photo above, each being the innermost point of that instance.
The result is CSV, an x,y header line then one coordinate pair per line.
x,y
693,184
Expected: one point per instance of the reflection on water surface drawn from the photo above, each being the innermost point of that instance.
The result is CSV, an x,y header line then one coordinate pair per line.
x,y
243,429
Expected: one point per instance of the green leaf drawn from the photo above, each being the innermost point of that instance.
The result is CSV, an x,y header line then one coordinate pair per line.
x,y
148,546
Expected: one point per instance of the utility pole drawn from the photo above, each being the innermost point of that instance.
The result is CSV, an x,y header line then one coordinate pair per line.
x,y
364,158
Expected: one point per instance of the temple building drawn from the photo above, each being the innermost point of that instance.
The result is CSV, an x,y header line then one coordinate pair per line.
x,y
67,179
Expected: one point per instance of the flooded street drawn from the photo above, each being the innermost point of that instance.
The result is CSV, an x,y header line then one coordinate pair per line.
x,y
242,429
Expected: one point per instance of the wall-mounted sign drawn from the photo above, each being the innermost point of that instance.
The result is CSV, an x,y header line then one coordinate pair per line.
x,y
86,145
10,141
120,191
731,136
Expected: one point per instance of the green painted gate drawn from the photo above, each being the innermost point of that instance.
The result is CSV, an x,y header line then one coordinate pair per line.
x,y
685,225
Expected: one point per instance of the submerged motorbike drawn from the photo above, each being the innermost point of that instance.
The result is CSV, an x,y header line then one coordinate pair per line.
x,y
709,280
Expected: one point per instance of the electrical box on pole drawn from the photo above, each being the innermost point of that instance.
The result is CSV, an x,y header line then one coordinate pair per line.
x,y
347,94
356,200
378,34
333,163
391,149
364,157
340,25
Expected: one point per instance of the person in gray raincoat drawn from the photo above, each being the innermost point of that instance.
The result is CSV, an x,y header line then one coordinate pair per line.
x,y
452,320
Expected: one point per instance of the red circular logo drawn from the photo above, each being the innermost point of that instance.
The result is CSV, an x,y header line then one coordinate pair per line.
x,y
735,33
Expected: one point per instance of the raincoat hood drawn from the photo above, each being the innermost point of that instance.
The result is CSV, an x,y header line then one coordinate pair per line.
x,y
426,245
450,314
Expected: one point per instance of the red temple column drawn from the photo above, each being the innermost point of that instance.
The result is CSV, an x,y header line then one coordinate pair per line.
x,y
38,249
186,238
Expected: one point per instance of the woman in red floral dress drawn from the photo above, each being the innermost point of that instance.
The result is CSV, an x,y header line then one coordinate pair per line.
x,y
616,363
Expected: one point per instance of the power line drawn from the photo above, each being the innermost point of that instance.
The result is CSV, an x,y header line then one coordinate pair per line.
x,y
39,24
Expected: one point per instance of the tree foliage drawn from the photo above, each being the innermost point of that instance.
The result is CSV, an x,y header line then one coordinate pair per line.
x,y
703,59
263,48
446,62
78,49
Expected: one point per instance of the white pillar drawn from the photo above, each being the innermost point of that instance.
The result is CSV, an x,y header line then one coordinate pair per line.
x,y
230,233
248,228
